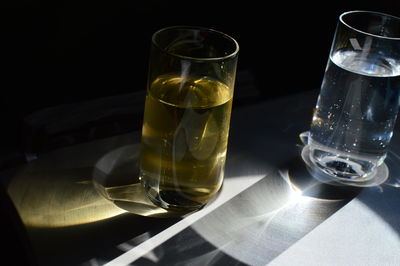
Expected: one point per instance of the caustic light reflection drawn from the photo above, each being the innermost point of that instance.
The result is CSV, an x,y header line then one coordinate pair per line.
x,y
295,194
58,198
48,195
269,216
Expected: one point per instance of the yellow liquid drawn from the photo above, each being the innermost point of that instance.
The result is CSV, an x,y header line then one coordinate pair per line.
x,y
184,140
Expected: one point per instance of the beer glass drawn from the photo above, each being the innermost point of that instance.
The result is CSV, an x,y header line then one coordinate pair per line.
x,y
186,117
359,98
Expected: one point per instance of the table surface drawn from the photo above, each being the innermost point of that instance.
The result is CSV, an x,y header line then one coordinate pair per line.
x,y
83,205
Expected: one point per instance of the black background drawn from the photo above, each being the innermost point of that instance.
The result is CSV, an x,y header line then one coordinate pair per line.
x,y
65,52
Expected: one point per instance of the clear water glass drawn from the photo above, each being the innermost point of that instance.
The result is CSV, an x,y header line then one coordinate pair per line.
x,y
358,102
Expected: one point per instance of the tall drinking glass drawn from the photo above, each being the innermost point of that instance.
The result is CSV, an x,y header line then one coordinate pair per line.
x,y
359,98
187,114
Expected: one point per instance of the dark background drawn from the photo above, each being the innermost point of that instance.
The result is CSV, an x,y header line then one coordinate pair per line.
x,y
63,52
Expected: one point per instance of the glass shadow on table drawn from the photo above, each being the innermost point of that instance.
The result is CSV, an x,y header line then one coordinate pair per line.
x,y
263,221
116,178
258,224
83,202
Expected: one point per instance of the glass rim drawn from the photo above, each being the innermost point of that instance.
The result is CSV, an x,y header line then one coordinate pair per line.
x,y
367,33
219,58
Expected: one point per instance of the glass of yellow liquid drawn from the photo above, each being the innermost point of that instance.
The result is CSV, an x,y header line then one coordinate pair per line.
x,y
187,114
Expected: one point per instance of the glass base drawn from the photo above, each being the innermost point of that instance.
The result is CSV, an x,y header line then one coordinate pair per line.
x,y
172,201
343,171
342,167
175,197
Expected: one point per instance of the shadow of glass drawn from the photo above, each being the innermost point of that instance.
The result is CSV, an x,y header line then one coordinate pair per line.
x,y
62,207
116,178
310,186
384,200
380,192
265,219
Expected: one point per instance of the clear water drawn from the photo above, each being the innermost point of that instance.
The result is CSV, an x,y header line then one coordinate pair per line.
x,y
356,110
